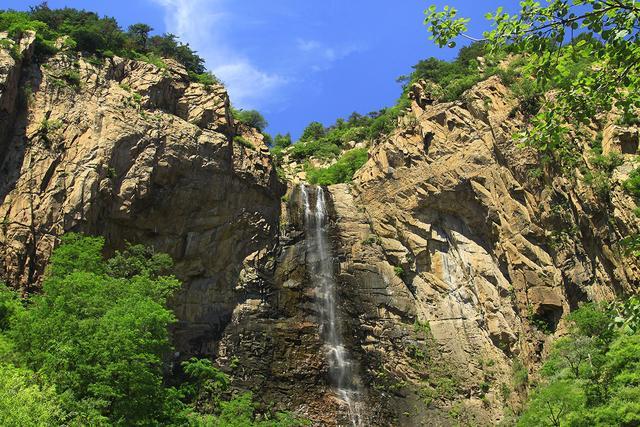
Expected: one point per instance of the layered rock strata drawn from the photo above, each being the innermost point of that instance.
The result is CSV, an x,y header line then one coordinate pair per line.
x,y
458,264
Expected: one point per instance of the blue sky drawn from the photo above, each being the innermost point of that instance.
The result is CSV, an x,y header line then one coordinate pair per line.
x,y
297,61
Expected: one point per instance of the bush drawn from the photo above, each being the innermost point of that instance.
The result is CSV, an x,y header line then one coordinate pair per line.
x,y
456,76
340,172
250,118
99,337
282,141
591,375
319,149
632,185
207,79
240,140
313,132
599,177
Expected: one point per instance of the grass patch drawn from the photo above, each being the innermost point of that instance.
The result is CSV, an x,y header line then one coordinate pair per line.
x,y
242,141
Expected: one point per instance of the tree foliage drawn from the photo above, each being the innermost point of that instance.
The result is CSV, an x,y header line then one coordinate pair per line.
x,y
584,57
26,401
555,37
592,376
99,337
102,36
251,118
340,172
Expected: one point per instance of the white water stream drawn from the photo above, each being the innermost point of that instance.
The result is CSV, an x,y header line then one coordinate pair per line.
x,y
320,265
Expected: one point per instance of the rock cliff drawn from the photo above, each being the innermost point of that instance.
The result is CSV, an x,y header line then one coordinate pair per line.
x,y
138,154
456,265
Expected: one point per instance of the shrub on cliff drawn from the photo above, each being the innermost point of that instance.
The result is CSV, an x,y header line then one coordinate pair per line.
x,y
454,76
251,118
340,172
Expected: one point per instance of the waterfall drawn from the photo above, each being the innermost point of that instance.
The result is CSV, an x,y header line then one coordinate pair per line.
x,y
320,265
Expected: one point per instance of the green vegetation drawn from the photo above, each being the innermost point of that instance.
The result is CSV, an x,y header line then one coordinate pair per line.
x,y
240,140
93,348
592,376
422,327
587,52
208,79
280,142
341,171
250,118
25,401
327,143
451,78
519,375
398,270
631,244
319,149
547,35
599,175
372,240
87,32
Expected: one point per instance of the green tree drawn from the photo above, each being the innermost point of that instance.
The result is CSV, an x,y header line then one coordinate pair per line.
x,y
251,118
139,33
588,53
591,375
282,141
314,131
87,32
9,306
91,349
553,405
206,385
25,401
138,260
101,338
341,171
572,356
544,34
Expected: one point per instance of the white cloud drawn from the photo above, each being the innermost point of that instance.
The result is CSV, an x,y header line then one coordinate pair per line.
x,y
323,56
203,24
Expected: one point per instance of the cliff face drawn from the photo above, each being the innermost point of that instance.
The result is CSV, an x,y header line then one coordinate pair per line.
x,y
138,154
445,226
454,263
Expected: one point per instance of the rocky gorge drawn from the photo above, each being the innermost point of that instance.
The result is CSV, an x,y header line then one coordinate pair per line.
x,y
450,266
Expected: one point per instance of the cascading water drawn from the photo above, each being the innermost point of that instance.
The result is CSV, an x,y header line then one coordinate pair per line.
x,y
320,265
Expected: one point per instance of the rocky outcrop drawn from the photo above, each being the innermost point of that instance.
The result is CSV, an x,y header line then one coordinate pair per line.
x,y
12,58
457,263
138,154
